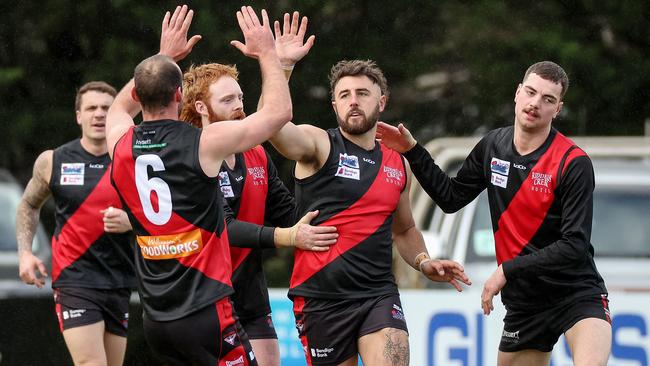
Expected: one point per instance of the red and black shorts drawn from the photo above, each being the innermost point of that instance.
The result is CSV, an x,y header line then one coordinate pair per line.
x,y
76,307
260,327
210,336
329,329
540,330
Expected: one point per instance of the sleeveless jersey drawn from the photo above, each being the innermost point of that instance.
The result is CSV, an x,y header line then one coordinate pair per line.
x,y
245,189
183,259
541,210
357,191
83,255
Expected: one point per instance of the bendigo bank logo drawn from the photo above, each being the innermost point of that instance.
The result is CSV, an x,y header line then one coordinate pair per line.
x,y
170,246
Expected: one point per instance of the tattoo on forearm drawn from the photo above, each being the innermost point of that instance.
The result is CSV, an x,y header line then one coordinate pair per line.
x,y
27,214
396,349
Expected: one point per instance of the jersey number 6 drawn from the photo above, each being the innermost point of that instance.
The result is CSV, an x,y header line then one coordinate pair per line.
x,y
146,186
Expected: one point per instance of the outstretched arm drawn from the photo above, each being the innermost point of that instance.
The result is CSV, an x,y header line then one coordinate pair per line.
x,y
219,140
451,194
27,214
173,43
410,244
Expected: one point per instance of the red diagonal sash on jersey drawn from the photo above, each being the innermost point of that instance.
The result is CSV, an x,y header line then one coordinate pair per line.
x,y
84,227
212,260
355,223
252,205
528,208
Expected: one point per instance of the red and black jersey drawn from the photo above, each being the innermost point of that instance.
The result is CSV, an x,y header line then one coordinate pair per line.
x,y
255,194
541,207
83,255
183,259
357,191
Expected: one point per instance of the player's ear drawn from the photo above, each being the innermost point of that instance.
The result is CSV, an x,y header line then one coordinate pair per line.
x,y
178,95
134,95
201,108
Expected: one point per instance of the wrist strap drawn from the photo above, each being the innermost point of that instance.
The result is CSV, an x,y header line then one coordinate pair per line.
x,y
419,259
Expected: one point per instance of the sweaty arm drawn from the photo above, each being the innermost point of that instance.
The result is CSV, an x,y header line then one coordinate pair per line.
x,y
410,244
576,197
27,214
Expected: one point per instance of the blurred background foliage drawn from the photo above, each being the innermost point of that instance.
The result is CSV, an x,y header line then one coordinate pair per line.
x,y
452,66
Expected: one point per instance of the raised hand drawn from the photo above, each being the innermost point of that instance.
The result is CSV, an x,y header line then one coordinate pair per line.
x,y
173,38
445,271
397,138
289,43
258,37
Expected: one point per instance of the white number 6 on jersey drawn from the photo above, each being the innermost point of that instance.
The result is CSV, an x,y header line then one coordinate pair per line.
x,y
146,185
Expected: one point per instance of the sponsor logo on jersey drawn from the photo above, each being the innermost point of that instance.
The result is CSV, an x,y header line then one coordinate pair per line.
x,y
239,179
541,179
541,182
72,168
393,175
510,337
499,180
348,167
500,166
321,352
72,174
96,166
369,161
224,179
230,338
170,246
238,361
519,166
147,144
224,184
257,173
72,180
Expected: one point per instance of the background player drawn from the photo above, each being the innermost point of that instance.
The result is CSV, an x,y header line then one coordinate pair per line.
x,y
92,271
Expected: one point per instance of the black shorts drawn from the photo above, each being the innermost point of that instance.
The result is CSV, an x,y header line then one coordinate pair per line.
x,y
210,336
329,329
76,307
260,327
540,330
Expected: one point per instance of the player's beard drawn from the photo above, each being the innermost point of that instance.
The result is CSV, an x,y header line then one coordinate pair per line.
x,y
366,124
216,117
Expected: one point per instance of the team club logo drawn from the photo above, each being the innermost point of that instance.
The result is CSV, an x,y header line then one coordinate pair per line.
x,y
230,338
72,174
238,361
348,167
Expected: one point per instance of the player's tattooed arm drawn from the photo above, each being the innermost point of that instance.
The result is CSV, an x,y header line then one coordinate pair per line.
x,y
27,214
